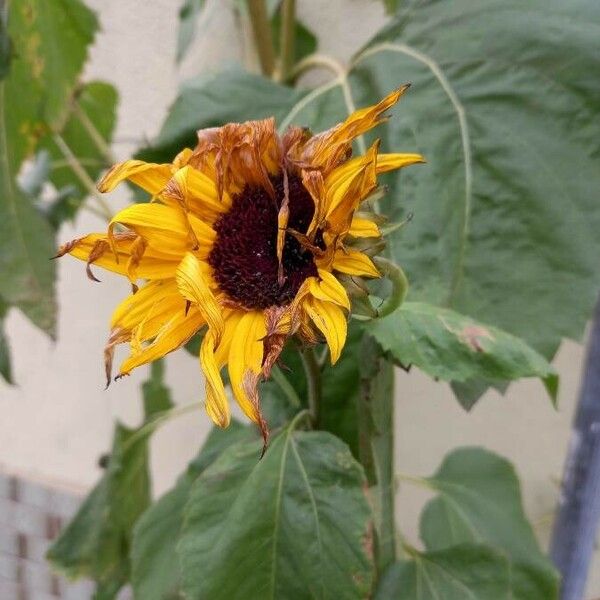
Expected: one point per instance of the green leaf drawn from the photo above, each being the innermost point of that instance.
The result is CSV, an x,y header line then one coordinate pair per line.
x,y
466,571
96,542
157,396
50,46
188,19
505,218
96,102
479,501
216,99
155,567
452,347
295,524
5,364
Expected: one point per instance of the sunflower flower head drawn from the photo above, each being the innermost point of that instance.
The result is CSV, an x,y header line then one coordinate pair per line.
x,y
247,238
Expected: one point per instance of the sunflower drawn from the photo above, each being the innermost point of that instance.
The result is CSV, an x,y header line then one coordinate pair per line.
x,y
246,237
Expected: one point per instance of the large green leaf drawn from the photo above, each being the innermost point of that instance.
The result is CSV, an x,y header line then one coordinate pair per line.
x,y
479,501
50,42
216,99
96,542
452,347
295,524
154,564
467,571
505,109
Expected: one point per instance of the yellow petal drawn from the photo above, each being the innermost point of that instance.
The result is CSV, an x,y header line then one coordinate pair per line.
x,y
354,262
173,334
245,359
95,249
163,227
390,162
330,147
346,194
195,191
363,228
151,177
193,286
331,321
329,289
159,297
217,405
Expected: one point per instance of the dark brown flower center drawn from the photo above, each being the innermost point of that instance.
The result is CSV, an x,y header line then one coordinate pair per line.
x,y
244,255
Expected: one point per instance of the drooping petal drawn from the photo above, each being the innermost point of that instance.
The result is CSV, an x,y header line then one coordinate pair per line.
x,y
326,287
212,359
95,249
193,286
363,228
217,405
172,335
161,299
331,322
151,177
353,262
245,360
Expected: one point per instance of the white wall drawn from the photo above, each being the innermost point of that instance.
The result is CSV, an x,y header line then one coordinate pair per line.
x,y
58,420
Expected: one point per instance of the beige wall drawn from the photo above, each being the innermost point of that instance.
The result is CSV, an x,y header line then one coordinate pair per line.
x,y
58,420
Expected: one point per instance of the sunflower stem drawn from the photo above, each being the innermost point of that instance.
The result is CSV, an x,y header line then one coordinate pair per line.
x,y
313,378
376,445
96,137
263,39
287,43
83,176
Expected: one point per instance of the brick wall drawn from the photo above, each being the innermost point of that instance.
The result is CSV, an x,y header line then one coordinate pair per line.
x,y
31,516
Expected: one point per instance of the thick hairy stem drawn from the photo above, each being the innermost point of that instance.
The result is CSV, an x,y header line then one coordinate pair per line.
x,y
262,35
578,520
288,38
376,446
313,378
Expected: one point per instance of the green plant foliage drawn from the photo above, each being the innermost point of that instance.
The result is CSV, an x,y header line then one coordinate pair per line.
x,y
466,571
5,364
96,542
305,40
157,396
479,501
155,566
497,233
295,524
376,443
215,99
452,347
97,101
505,112
50,42
189,14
